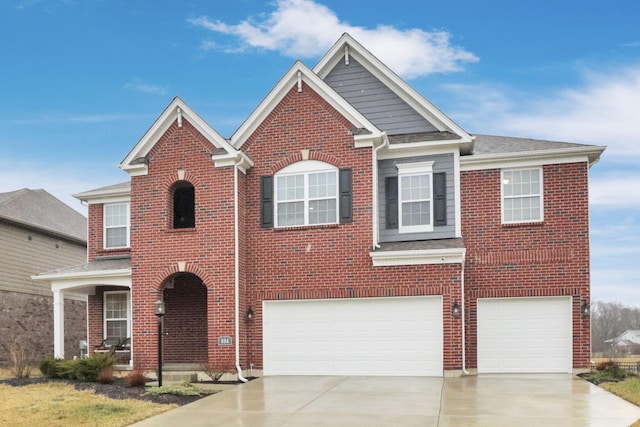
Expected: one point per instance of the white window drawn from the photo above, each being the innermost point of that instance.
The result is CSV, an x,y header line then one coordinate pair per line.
x,y
116,315
415,200
306,193
522,196
116,226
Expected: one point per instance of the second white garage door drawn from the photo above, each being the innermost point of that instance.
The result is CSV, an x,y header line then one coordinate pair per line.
x,y
369,336
524,335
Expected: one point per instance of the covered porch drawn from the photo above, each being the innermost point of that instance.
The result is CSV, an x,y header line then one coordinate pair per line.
x,y
112,278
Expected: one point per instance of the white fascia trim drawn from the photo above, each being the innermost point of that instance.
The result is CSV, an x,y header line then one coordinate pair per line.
x,y
85,275
160,126
105,196
108,199
316,84
413,150
417,257
429,111
530,158
229,159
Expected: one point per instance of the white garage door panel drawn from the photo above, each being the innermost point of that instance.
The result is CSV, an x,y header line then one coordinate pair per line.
x,y
370,336
524,335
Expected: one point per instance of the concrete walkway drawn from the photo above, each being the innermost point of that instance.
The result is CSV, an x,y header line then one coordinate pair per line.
x,y
527,400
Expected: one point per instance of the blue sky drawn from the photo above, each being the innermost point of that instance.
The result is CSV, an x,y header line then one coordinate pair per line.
x,y
81,82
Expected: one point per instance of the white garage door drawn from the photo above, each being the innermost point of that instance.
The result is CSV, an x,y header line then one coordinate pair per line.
x,y
524,335
369,336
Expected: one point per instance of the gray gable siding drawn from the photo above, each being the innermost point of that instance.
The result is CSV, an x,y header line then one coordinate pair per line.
x,y
442,163
375,101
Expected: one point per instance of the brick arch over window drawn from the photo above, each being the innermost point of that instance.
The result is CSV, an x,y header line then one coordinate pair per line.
x,y
167,273
313,155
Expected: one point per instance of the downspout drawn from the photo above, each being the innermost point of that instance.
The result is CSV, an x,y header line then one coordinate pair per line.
x,y
464,349
376,214
237,268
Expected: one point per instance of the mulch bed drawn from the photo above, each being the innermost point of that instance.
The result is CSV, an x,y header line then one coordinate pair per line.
x,y
116,390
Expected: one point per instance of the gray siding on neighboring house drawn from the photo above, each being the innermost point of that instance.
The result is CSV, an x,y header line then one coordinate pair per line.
x,y
26,252
375,101
442,163
26,306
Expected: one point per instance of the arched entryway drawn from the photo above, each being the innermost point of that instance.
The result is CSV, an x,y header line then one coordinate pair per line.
x,y
185,322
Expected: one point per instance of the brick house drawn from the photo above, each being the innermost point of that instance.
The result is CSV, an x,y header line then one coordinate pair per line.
x,y
347,227
38,232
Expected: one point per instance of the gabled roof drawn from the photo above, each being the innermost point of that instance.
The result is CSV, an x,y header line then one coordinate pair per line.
x,y
299,73
136,162
38,209
347,47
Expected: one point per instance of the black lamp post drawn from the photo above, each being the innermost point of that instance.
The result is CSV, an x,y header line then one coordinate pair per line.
x,y
160,313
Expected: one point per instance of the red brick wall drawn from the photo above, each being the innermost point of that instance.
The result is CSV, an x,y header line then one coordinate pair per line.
x,y
207,249
326,261
95,243
538,259
185,324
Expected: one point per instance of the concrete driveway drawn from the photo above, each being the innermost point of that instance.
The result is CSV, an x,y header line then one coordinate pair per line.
x,y
531,400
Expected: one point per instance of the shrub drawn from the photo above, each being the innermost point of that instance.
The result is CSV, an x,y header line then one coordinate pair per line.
x,y
608,371
20,356
50,367
215,372
135,378
604,365
81,369
105,376
184,389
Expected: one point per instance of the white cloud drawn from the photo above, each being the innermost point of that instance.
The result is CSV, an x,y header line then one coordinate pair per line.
x,y
621,190
304,28
603,110
141,86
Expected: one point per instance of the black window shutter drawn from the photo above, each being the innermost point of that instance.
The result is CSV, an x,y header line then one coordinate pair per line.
x,y
346,196
440,198
391,204
266,201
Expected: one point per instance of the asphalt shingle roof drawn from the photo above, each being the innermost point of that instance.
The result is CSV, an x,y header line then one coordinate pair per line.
x,y
40,210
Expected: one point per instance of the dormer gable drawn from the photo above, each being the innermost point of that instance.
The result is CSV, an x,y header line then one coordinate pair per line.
x,y
378,93
223,154
299,76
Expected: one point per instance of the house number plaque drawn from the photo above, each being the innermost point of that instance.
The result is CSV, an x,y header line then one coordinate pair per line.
x,y
225,340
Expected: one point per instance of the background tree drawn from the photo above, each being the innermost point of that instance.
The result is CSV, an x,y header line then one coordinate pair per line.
x,y
608,320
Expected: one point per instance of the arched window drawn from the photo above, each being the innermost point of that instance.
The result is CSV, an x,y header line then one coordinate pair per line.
x,y
184,205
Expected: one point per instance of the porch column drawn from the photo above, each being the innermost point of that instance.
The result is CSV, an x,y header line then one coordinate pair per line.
x,y
58,324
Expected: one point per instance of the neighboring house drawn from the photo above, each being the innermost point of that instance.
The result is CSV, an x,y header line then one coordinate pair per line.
x,y
38,232
348,227
626,340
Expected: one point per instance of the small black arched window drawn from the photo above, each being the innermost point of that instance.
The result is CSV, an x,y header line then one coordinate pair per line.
x,y
184,205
